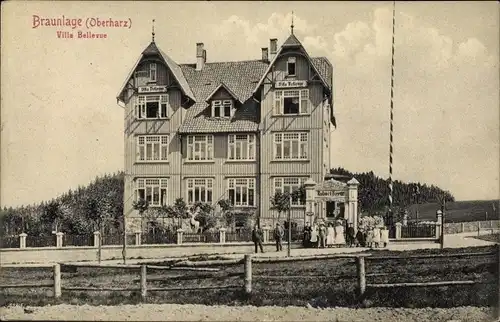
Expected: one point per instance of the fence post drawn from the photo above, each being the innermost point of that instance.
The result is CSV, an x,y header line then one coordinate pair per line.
x,y
179,236
248,273
57,280
360,269
96,238
439,222
144,286
59,239
22,240
222,235
462,227
398,230
138,238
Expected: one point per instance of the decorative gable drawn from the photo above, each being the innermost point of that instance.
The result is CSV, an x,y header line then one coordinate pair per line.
x,y
293,44
222,102
222,91
150,70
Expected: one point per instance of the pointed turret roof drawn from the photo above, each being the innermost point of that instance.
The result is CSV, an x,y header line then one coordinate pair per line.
x,y
292,41
151,49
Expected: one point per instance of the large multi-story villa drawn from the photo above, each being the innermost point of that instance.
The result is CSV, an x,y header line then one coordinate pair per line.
x,y
226,130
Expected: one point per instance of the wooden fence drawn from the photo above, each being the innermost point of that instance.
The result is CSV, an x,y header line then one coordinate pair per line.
x,y
363,285
247,276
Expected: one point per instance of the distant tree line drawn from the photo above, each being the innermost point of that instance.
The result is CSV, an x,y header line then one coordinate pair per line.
x,y
80,211
373,192
99,206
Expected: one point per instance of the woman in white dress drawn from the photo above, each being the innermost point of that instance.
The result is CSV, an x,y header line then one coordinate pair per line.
x,y
330,235
314,236
376,236
339,234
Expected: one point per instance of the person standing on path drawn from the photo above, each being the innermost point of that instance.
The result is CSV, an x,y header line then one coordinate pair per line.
x,y
384,236
322,236
278,237
350,235
314,236
360,238
369,237
339,234
257,239
307,236
330,235
376,236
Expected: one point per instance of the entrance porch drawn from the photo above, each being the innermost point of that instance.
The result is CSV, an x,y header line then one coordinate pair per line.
x,y
340,200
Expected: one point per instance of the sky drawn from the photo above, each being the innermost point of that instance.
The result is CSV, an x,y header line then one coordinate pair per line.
x,y
61,125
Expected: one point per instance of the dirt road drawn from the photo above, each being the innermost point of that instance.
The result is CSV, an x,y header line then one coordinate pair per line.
x,y
169,312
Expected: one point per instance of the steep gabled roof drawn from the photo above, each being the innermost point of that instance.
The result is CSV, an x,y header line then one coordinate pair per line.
x,y
122,88
293,42
152,49
224,86
240,77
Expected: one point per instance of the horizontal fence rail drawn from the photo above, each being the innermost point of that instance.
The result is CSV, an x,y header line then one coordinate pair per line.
x,y
244,280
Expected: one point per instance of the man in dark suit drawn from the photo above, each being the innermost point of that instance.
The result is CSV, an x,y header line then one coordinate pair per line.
x,y
257,238
278,237
350,235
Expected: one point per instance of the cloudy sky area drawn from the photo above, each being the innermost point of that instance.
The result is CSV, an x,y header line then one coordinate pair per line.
x,y
61,126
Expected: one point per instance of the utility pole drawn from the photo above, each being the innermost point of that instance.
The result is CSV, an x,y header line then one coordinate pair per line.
x,y
289,225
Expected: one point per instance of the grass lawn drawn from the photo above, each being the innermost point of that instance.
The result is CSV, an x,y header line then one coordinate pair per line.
x,y
491,237
459,211
322,283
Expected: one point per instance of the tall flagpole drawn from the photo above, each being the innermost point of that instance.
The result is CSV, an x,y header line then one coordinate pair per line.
x,y
391,150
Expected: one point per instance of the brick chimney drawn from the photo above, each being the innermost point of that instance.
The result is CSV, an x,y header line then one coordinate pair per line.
x,y
265,55
273,48
200,61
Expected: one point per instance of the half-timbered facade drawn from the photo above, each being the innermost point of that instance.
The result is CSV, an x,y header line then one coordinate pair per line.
x,y
226,130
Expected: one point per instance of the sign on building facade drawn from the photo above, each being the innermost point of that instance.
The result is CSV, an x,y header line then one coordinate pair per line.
x,y
290,83
152,89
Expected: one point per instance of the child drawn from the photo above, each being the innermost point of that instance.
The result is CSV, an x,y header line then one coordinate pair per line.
x,y
384,236
369,237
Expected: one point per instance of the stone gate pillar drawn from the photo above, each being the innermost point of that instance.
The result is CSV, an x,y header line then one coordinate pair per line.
x,y
352,202
310,213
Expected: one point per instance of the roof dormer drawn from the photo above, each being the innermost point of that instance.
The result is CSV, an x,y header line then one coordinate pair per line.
x,y
222,89
222,108
222,101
